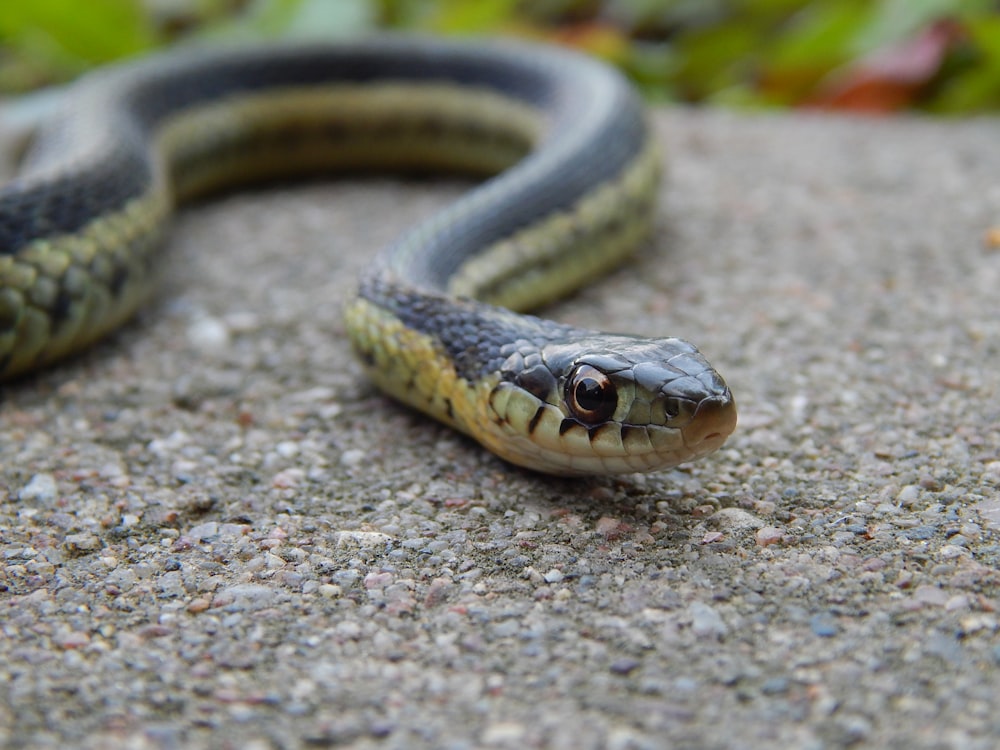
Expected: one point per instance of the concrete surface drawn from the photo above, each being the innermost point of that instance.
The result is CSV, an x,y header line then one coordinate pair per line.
x,y
215,533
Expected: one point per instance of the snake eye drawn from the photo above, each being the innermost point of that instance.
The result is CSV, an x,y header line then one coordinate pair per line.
x,y
591,395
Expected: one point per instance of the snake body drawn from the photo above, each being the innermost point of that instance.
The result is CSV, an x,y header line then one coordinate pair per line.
x,y
572,171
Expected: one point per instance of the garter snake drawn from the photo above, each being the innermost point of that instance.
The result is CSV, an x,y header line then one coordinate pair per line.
x,y
570,174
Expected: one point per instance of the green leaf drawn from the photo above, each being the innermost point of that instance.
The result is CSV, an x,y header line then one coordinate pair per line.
x,y
462,16
84,33
820,35
974,82
713,59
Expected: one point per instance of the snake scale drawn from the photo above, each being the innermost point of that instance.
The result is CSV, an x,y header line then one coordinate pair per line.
x,y
570,172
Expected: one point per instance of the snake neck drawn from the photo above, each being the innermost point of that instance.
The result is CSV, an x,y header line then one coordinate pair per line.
x,y
474,337
439,354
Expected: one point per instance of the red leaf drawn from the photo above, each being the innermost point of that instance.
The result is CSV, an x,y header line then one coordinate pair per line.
x,y
890,79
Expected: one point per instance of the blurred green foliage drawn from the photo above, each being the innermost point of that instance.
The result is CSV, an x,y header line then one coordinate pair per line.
x,y
876,55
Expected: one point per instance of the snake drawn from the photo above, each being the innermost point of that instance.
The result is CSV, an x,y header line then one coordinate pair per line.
x,y
567,167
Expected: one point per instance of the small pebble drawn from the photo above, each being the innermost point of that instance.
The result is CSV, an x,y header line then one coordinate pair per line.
x,y
503,734
908,495
706,621
288,479
82,543
203,532
352,457
733,519
362,539
606,525
41,488
930,595
824,625
624,666
208,334
769,535
956,602
287,449
775,686
74,640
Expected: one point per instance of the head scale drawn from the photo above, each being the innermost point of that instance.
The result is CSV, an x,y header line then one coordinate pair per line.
x,y
608,405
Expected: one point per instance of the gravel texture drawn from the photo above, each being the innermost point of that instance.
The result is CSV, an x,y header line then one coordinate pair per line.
x,y
215,533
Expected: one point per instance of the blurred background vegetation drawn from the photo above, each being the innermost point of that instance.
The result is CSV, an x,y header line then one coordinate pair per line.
x,y
941,56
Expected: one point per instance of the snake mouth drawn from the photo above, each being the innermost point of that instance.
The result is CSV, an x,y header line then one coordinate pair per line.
x,y
714,420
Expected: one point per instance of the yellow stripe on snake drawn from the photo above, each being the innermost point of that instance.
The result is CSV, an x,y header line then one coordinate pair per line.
x,y
571,172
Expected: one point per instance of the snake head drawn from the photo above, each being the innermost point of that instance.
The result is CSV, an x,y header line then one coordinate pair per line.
x,y
608,405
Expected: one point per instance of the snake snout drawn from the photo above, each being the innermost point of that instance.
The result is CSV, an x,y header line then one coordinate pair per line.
x,y
714,420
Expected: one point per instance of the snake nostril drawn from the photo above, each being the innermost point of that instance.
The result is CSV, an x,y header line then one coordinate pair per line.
x,y
672,408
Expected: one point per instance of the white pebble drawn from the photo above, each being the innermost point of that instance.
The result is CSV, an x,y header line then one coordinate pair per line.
x,y
908,495
204,531
83,542
705,621
362,539
352,457
166,446
312,395
734,519
951,551
287,449
208,334
329,590
503,733
40,488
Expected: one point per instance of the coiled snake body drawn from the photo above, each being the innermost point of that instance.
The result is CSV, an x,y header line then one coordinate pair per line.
x,y
572,173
